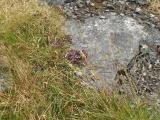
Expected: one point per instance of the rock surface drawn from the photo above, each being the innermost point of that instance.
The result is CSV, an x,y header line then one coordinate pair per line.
x,y
82,9
143,73
111,42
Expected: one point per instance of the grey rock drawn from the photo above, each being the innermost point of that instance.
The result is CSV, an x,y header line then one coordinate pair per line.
x,y
111,43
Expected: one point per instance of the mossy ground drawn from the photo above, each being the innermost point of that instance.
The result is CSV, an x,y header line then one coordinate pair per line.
x,y
42,84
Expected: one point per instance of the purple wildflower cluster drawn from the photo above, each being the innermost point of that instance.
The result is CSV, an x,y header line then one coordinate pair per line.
x,y
77,57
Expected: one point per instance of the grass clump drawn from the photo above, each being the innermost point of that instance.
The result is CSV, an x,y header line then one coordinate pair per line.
x,y
154,6
42,85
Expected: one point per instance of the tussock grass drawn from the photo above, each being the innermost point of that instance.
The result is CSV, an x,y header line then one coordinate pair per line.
x,y
42,85
154,6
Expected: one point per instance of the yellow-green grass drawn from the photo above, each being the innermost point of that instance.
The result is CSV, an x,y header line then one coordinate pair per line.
x,y
42,84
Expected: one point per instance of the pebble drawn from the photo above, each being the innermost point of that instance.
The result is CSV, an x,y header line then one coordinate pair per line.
x,y
110,7
144,74
80,4
88,2
92,4
138,10
78,74
150,66
151,15
143,48
107,10
104,3
102,17
153,25
75,8
121,14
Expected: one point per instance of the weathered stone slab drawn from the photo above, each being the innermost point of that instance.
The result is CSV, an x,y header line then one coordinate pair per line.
x,y
111,43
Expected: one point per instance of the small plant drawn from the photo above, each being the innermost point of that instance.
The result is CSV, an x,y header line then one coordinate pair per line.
x,y
78,57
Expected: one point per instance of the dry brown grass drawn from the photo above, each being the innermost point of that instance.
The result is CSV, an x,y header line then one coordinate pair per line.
x,y
19,15
154,6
